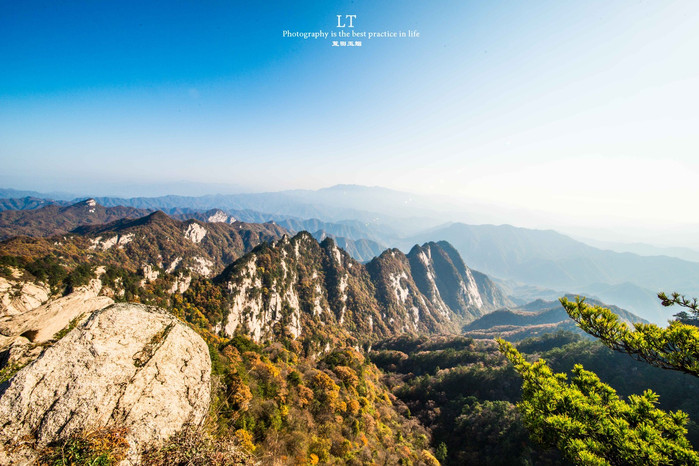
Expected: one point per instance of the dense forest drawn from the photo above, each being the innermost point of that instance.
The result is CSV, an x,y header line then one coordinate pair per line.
x,y
464,391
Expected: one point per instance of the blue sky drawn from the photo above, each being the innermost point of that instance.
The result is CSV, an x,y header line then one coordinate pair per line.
x,y
579,109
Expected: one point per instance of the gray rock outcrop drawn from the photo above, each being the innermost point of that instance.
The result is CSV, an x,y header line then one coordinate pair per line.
x,y
17,297
30,318
127,365
41,323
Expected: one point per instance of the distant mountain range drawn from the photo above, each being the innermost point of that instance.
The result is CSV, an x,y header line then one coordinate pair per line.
x,y
551,260
270,282
530,263
6,193
51,219
534,319
27,203
299,204
347,236
41,218
361,249
645,249
404,212
305,283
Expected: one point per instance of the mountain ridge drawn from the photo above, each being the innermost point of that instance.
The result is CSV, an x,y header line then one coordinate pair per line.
x,y
154,241
310,285
535,319
542,258
552,260
53,219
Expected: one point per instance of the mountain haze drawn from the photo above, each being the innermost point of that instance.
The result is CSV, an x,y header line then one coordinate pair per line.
x,y
27,203
361,249
549,259
534,319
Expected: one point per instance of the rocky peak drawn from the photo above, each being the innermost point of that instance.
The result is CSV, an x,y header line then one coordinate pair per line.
x,y
218,216
306,286
85,210
89,202
442,276
397,291
194,231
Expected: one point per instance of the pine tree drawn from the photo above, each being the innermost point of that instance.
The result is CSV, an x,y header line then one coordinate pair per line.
x,y
675,347
585,418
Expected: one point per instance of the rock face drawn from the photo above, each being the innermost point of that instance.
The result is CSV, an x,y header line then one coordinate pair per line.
x,y
406,307
17,297
127,365
300,287
195,233
42,323
448,283
26,323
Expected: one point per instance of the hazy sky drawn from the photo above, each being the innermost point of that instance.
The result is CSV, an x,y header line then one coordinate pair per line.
x,y
586,108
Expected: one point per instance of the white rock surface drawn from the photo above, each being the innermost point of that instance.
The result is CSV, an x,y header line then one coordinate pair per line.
x,y
400,292
125,239
42,323
17,350
195,233
220,217
120,240
149,274
181,284
171,268
202,266
17,297
469,291
426,259
249,309
128,365
343,296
